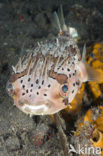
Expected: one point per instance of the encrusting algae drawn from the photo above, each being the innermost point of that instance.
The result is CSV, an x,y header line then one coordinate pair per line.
x,y
89,129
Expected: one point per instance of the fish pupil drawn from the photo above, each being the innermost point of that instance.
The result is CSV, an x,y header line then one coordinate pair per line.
x,y
65,88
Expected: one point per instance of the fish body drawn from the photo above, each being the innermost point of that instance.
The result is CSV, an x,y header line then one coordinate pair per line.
x,y
47,80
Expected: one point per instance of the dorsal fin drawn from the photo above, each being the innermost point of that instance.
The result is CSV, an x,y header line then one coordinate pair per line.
x,y
59,21
56,22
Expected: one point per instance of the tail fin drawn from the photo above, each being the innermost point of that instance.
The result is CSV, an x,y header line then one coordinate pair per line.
x,y
59,21
61,18
93,74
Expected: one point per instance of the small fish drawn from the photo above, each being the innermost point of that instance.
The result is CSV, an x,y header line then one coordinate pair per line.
x,y
47,80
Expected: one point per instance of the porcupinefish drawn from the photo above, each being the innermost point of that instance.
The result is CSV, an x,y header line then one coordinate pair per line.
x,y
47,80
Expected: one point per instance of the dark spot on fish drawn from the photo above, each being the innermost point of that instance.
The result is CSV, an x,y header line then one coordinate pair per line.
x,y
70,75
73,50
73,74
68,62
73,84
45,94
37,93
62,68
39,87
42,82
68,69
30,95
72,62
30,90
23,86
28,79
23,93
21,81
72,91
49,86
37,81
31,85
27,91
65,101
75,71
77,83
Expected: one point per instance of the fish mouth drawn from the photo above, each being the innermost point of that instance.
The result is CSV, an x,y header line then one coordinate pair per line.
x,y
41,108
9,89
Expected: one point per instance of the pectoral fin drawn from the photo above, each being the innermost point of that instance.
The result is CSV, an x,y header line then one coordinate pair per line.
x,y
93,74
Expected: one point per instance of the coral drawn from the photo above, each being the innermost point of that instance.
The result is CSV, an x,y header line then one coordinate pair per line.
x,y
89,129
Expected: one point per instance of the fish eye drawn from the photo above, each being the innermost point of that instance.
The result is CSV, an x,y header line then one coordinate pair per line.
x,y
10,89
65,88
